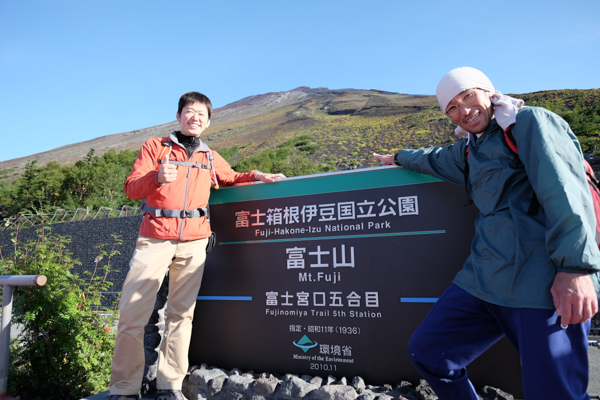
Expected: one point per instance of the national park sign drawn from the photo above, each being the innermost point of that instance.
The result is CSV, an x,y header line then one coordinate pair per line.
x,y
330,274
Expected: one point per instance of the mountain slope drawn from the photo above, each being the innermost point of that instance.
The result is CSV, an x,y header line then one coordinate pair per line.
x,y
255,120
344,126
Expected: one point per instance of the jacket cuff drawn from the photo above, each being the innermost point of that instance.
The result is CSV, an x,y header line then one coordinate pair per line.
x,y
576,270
156,180
396,160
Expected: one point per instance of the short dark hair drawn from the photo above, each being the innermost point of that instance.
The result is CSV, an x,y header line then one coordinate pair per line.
x,y
194,97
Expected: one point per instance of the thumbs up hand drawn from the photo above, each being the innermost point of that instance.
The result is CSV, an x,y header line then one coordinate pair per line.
x,y
167,173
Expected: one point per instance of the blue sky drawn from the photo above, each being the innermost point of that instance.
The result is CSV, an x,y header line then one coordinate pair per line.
x,y
75,70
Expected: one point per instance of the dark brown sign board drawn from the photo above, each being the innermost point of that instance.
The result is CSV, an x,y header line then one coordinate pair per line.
x,y
330,274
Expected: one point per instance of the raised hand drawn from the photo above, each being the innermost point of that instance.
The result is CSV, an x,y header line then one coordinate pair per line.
x,y
167,173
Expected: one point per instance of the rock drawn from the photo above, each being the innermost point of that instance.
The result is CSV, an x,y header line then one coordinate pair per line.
x,y
295,387
151,372
216,384
149,379
334,392
152,338
424,391
204,377
151,356
367,395
239,383
376,389
265,386
317,381
192,392
405,387
228,394
406,391
197,368
358,384
491,393
203,383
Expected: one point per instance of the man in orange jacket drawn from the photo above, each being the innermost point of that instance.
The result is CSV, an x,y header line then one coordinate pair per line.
x,y
173,175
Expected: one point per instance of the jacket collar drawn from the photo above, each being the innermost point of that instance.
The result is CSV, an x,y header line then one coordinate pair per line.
x,y
201,146
474,140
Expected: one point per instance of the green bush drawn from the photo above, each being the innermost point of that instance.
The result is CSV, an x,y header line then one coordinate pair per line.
x,y
91,183
65,348
229,154
282,161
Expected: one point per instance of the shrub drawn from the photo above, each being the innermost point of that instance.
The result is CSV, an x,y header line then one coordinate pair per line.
x,y
64,350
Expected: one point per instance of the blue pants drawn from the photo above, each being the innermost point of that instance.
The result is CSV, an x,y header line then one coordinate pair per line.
x,y
460,327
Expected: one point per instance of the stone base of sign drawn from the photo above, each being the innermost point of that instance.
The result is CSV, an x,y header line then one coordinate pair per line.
x,y
204,383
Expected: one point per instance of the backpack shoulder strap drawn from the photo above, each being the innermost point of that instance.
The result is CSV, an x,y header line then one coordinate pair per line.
x,y
591,176
211,160
165,151
511,143
594,186
466,172
510,140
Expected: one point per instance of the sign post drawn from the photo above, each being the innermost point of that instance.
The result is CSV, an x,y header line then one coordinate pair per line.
x,y
330,274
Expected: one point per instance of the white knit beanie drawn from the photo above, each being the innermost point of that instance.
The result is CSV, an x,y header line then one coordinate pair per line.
x,y
457,81
460,79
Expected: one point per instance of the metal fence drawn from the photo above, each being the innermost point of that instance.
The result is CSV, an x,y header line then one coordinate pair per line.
x,y
81,214
7,282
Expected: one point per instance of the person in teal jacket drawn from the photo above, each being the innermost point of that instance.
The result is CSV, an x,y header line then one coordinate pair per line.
x,y
532,275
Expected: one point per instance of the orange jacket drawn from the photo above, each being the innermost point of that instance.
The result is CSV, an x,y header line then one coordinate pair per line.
x,y
189,191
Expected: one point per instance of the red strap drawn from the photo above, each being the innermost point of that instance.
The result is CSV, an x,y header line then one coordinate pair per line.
x,y
163,152
510,140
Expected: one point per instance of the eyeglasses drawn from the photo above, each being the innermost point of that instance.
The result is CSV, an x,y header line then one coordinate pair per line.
x,y
191,111
467,98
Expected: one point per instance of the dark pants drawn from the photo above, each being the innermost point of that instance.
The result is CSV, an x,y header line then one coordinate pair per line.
x,y
460,327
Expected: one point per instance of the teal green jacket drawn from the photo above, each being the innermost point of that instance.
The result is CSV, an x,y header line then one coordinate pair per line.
x,y
514,256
